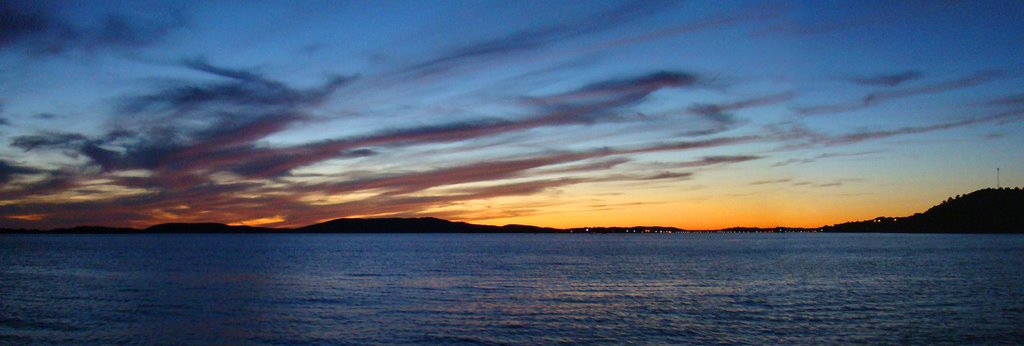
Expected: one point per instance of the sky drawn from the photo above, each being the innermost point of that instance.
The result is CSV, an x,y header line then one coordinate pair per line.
x,y
696,114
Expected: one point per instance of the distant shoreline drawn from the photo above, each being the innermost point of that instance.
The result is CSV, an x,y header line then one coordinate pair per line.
x,y
985,211
390,226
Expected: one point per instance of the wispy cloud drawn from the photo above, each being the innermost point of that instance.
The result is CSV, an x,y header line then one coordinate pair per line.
x,y
771,181
822,156
1010,100
802,137
876,98
7,170
722,114
535,38
888,79
35,28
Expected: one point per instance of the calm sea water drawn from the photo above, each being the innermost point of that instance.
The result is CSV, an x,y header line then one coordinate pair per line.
x,y
512,288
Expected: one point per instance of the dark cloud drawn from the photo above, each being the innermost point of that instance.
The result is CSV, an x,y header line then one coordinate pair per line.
x,y
45,116
888,80
666,175
772,181
803,137
883,96
716,160
822,156
21,22
690,145
34,27
536,38
49,140
277,161
713,110
833,183
619,92
870,135
821,28
189,197
4,121
197,126
7,170
475,172
1011,100
588,167
705,161
503,169
721,114
241,89
514,189
851,18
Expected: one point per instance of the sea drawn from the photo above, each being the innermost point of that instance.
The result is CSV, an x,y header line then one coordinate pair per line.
x,y
489,289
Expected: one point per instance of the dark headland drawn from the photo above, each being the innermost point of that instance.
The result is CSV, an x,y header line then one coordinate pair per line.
x,y
982,211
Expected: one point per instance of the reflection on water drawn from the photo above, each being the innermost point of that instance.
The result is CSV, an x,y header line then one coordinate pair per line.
x,y
511,288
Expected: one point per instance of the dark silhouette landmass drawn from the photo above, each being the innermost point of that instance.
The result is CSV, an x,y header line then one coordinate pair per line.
x,y
415,225
375,225
982,211
205,228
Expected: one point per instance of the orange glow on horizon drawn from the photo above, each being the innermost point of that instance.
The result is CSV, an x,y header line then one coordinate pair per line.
x,y
27,217
259,221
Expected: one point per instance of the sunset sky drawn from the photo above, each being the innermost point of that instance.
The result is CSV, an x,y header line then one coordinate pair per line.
x,y
700,114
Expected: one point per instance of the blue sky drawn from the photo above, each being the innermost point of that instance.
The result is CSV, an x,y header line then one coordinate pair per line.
x,y
698,114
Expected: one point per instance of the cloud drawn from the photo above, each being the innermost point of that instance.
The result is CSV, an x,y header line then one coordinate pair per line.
x,y
240,89
666,175
771,181
884,96
48,140
721,114
822,156
192,126
803,137
715,160
619,92
887,80
1010,100
245,107
36,28
188,197
505,169
535,38
614,95
7,170
514,189
45,116
853,17
907,130
474,172
587,167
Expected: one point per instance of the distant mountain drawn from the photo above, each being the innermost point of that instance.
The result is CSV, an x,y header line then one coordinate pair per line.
x,y
383,225
416,225
982,211
206,228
